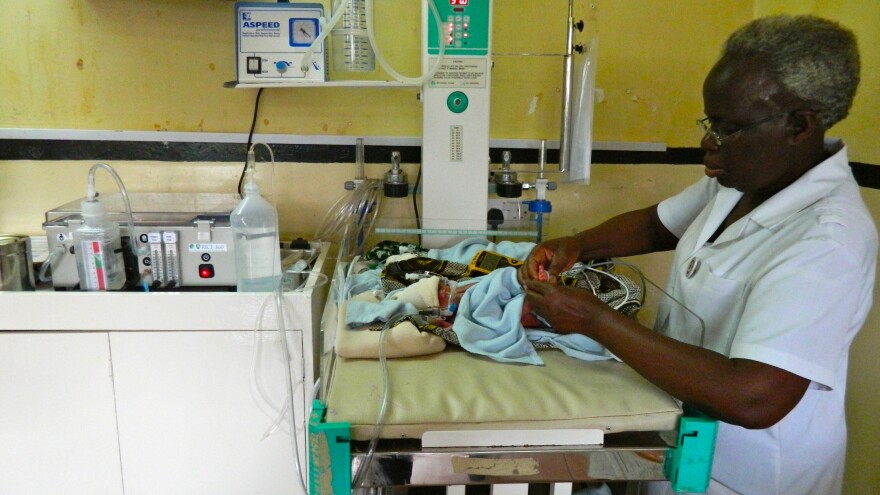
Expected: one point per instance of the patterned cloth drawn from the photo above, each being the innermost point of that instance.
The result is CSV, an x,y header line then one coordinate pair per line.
x,y
385,249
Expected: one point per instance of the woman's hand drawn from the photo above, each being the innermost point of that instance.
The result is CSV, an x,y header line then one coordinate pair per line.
x,y
566,309
553,257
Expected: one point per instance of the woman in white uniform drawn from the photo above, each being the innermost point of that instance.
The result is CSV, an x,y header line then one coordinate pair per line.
x,y
774,250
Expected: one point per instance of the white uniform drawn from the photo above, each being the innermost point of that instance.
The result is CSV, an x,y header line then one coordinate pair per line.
x,y
789,285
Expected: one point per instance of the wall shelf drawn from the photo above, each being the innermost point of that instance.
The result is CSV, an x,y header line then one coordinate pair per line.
x,y
322,84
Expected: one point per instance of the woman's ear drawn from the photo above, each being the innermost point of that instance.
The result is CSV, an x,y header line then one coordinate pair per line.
x,y
805,124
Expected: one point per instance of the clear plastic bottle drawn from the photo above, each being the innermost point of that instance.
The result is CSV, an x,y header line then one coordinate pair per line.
x,y
98,249
255,236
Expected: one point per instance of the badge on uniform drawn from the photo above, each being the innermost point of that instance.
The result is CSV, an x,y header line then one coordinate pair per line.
x,y
692,268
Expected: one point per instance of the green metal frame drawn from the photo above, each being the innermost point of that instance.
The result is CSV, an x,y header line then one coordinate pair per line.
x,y
689,465
329,454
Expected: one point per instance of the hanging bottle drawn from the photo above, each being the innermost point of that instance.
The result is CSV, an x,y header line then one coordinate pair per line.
x,y
255,240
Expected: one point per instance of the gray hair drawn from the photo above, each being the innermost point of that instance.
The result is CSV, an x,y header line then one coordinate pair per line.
x,y
816,59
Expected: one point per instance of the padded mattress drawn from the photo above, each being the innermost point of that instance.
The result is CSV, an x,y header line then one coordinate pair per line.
x,y
457,390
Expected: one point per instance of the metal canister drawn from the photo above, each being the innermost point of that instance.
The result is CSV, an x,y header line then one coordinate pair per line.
x,y
16,263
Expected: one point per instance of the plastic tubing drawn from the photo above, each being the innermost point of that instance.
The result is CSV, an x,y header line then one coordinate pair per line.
x,y
329,224
369,213
282,332
325,31
91,194
282,329
383,407
345,208
277,416
384,63
53,258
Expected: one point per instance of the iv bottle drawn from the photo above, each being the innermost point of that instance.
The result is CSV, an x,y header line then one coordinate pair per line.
x,y
255,240
351,50
99,259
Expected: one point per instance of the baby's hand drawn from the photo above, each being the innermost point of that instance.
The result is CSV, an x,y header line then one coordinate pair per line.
x,y
543,274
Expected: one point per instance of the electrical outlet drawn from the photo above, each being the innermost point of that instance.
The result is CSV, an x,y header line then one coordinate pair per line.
x,y
513,210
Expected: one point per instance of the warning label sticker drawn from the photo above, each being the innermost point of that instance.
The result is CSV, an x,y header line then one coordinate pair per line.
x,y
460,73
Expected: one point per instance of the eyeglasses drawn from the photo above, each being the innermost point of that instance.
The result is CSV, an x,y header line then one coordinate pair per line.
x,y
719,138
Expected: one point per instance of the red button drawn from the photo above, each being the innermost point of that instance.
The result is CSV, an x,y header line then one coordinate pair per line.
x,y
206,271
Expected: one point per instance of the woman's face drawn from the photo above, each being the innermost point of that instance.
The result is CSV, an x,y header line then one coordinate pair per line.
x,y
751,113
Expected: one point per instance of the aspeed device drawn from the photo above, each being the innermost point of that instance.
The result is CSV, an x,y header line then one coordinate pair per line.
x,y
273,40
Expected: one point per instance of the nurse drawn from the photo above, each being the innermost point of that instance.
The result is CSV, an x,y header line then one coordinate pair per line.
x,y
774,250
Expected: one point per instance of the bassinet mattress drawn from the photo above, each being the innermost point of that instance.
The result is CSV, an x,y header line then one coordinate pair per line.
x,y
457,390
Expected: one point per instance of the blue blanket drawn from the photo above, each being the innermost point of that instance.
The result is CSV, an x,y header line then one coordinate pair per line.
x,y
488,323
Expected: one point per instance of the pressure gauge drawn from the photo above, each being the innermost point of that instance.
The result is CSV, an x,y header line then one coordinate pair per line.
x,y
303,31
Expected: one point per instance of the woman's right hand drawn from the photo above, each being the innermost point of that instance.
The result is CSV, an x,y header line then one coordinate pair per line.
x,y
553,256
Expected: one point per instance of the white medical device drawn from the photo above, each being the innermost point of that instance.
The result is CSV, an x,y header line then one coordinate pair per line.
x,y
455,126
272,39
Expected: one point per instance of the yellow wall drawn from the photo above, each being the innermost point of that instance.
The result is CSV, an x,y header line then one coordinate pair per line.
x,y
863,17
160,65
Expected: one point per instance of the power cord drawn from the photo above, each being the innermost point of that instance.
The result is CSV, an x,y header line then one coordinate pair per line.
x,y
250,139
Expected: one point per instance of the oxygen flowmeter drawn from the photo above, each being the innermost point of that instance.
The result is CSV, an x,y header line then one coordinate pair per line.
x,y
273,40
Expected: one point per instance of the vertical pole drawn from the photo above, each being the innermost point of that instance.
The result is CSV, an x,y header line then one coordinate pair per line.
x,y
567,83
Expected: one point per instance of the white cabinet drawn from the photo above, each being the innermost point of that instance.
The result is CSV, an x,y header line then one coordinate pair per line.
x,y
57,415
155,394
193,408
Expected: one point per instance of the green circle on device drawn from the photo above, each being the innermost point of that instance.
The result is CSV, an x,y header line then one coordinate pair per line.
x,y
457,102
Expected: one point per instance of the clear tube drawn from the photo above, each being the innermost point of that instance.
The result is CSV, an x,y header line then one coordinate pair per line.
x,y
365,217
305,64
355,217
53,258
328,225
282,332
383,407
91,194
282,335
345,208
384,63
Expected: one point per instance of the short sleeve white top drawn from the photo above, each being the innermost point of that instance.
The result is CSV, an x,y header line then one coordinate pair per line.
x,y
789,285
